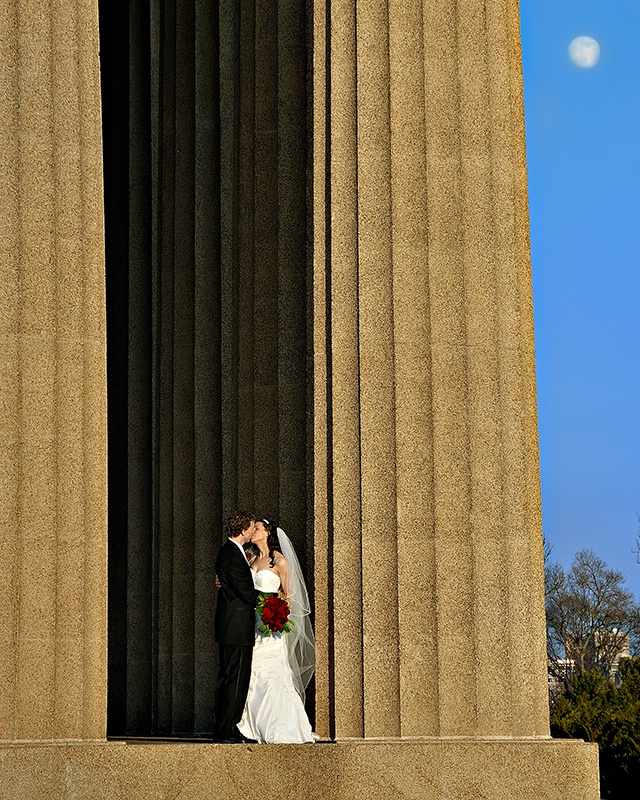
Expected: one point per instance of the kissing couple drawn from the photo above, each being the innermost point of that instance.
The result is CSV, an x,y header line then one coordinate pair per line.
x,y
263,670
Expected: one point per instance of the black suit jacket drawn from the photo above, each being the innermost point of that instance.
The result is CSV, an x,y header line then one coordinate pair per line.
x,y
237,598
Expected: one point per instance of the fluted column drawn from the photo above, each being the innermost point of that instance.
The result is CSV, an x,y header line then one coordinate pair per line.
x,y
52,334
428,448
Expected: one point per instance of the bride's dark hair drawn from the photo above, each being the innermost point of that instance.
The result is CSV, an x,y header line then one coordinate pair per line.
x,y
273,543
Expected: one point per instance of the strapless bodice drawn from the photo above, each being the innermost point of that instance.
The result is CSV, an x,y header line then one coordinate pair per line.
x,y
266,581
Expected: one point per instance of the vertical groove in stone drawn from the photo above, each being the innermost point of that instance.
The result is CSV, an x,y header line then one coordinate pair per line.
x,y
36,682
38,352
207,390
345,424
230,177
291,301
139,375
318,512
9,365
529,701
183,257
115,79
265,320
486,446
377,389
69,382
413,423
502,208
94,349
244,285
164,343
52,316
156,62
452,497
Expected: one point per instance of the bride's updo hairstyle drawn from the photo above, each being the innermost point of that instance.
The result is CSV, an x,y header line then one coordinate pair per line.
x,y
273,543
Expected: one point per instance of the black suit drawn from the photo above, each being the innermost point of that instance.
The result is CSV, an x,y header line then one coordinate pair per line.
x,y
235,634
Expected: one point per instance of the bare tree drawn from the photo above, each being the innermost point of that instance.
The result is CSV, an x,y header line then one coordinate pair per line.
x,y
592,619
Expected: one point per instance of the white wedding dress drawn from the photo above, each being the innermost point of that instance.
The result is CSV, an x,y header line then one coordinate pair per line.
x,y
274,711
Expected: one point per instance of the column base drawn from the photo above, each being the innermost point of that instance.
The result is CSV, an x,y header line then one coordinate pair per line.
x,y
429,769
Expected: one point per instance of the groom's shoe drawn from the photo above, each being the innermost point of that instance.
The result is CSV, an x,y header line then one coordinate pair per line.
x,y
238,738
246,740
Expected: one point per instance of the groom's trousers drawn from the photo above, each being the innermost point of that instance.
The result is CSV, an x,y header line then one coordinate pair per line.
x,y
233,684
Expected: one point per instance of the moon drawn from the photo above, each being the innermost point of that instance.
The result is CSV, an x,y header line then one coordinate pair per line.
x,y
584,51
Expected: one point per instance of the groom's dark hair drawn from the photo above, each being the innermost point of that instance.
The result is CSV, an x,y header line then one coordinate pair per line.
x,y
239,521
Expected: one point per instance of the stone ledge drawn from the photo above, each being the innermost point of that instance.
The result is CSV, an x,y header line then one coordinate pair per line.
x,y
446,769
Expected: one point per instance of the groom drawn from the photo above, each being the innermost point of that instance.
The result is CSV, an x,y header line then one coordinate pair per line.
x,y
234,628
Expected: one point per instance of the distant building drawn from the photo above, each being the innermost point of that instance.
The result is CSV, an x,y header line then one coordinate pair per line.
x,y
606,649
622,651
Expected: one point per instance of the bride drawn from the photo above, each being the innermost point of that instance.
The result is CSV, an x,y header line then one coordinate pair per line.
x,y
282,665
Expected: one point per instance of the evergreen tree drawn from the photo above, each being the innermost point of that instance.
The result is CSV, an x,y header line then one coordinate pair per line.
x,y
597,710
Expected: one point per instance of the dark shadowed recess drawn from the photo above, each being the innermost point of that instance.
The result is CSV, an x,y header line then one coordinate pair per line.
x,y
205,153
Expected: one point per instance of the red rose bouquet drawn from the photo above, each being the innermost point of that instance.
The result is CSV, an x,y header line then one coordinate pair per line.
x,y
272,614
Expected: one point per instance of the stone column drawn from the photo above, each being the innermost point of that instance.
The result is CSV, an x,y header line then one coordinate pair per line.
x,y
426,456
52,333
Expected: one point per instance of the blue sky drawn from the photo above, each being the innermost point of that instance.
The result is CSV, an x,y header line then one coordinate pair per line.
x,y
583,154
